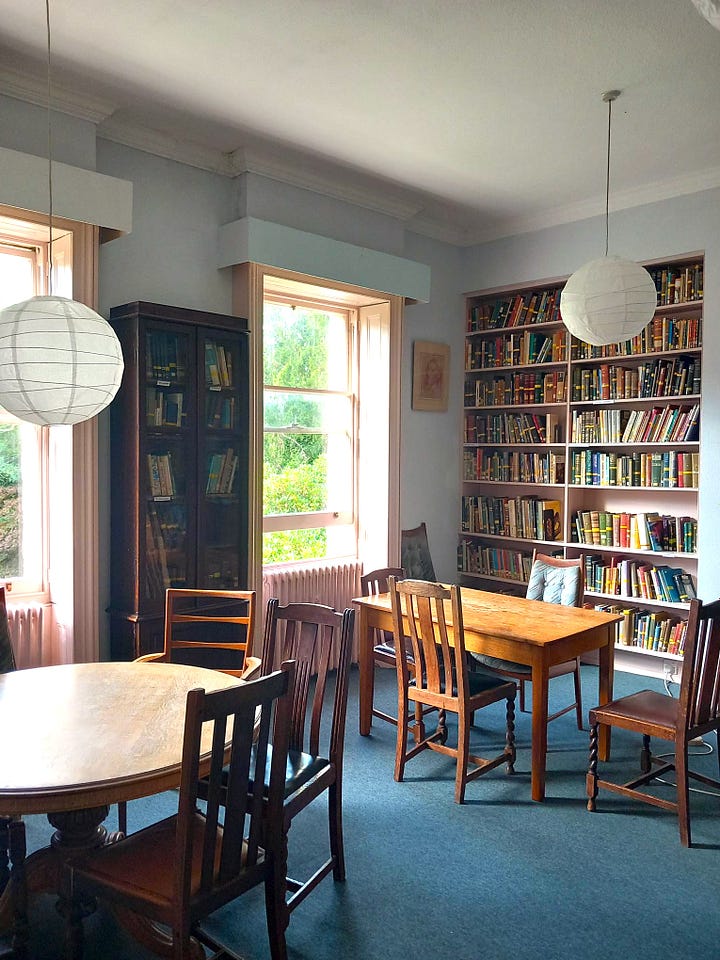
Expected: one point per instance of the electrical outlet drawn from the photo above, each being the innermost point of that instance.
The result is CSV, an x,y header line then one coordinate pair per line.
x,y
668,670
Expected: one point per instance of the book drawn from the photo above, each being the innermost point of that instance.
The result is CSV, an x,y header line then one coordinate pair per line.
x,y
551,519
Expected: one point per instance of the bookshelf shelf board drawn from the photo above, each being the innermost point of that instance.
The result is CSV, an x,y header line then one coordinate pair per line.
x,y
489,576
685,306
639,444
526,327
519,483
641,601
555,544
517,406
549,365
682,398
649,653
607,486
634,551
632,357
515,446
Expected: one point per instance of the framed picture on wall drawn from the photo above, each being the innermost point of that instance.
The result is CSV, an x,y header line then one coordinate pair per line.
x,y
431,374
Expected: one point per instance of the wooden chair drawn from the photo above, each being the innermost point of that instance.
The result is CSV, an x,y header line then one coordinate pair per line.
x,y
694,713
180,870
442,680
415,556
206,628
310,634
372,584
552,580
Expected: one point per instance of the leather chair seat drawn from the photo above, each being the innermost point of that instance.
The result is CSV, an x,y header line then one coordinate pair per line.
x,y
646,707
495,663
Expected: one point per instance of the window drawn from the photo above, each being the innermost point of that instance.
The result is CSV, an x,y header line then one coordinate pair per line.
x,y
23,446
309,439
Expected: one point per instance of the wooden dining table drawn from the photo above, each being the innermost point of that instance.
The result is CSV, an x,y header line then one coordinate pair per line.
x,y
79,737
531,632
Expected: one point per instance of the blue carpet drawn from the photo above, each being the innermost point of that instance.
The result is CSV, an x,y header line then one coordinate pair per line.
x,y
500,877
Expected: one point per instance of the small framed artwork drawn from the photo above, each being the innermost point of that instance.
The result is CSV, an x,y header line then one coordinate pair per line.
x,y
431,373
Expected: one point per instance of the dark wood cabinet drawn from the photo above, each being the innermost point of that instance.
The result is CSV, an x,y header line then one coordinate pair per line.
x,y
179,455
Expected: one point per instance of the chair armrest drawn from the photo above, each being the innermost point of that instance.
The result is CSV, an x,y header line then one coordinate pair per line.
x,y
149,657
252,669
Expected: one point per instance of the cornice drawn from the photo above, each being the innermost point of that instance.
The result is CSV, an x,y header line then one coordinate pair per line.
x,y
135,135
31,89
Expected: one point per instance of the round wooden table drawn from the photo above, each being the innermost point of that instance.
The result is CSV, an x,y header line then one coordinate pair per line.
x,y
79,737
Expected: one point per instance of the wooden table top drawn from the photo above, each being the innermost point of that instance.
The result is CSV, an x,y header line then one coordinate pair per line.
x,y
83,735
506,617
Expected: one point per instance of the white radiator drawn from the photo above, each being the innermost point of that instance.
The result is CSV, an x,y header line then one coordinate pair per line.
x,y
333,583
26,634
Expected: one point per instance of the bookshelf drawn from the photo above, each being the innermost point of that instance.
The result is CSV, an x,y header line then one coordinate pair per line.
x,y
587,451
179,457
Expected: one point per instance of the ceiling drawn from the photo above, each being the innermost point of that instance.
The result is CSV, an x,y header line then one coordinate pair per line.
x,y
469,119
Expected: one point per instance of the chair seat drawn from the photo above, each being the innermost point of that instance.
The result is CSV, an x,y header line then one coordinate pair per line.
x,y
301,768
495,663
480,683
647,708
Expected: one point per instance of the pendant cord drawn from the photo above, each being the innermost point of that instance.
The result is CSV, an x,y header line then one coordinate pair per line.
x,y
607,179
49,146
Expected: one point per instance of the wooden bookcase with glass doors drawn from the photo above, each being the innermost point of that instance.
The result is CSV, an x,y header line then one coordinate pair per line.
x,y
588,451
179,456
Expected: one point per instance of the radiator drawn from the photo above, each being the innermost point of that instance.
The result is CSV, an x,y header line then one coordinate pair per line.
x,y
332,583
26,634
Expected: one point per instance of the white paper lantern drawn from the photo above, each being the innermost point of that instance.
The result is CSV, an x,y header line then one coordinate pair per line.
x,y
608,300
60,362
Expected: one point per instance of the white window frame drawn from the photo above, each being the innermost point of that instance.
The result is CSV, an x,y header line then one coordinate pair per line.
x,y
273,523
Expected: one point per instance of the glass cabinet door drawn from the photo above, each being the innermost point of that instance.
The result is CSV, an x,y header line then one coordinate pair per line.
x,y
221,465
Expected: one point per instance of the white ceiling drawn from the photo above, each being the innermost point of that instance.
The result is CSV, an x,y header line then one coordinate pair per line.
x,y
468,118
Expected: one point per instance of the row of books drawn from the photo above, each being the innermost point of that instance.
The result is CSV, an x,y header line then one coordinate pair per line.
x,y
218,365
659,336
165,357
671,468
668,424
647,629
515,349
598,426
660,378
222,468
637,531
513,466
489,561
161,475
522,309
220,411
516,388
512,428
164,566
164,408
675,284
527,518
624,577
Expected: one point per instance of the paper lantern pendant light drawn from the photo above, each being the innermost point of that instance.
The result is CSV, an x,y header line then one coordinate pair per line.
x,y
60,362
608,300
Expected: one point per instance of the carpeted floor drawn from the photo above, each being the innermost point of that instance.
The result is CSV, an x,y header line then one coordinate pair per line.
x,y
500,877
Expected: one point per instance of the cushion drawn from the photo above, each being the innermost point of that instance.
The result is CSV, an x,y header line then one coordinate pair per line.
x,y
554,584
495,663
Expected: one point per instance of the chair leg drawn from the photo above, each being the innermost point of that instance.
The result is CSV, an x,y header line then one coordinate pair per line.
x,y
591,780
463,750
510,735
17,850
4,863
276,911
402,732
521,685
683,792
645,761
578,695
337,848
122,817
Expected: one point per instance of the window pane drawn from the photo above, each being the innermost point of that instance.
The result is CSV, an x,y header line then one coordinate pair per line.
x,y
303,347
307,453
286,545
16,278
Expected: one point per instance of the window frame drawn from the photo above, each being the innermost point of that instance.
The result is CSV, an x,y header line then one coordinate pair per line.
x,y
277,523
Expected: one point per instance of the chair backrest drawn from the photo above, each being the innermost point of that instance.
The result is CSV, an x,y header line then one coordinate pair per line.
x,y
314,636
217,856
700,680
7,654
415,554
556,580
209,628
374,583
419,612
